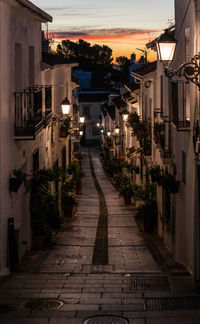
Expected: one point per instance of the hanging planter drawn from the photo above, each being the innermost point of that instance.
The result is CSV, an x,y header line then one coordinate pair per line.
x,y
168,182
14,184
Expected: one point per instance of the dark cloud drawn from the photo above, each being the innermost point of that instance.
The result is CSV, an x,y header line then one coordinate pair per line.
x,y
113,32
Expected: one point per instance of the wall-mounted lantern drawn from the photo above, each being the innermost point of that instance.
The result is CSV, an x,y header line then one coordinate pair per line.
x,y
82,119
166,46
116,130
108,133
81,133
65,105
125,116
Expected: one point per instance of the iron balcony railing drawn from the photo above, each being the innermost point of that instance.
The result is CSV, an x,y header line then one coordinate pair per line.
x,y
29,117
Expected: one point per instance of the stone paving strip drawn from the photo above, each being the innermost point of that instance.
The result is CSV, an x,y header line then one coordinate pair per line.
x,y
123,287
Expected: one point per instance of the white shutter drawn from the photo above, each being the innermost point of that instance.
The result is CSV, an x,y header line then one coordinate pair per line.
x,y
187,86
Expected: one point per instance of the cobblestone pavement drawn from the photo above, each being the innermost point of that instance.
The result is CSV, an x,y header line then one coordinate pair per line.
x,y
135,279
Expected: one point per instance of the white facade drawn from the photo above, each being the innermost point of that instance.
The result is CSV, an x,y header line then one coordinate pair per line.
x,y
90,103
177,109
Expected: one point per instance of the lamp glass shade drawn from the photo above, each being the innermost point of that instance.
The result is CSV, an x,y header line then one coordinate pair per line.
x,y
81,133
101,131
125,116
82,119
166,46
108,133
65,105
166,51
116,130
98,124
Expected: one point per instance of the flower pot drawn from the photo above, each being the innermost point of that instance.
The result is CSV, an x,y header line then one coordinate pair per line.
x,y
63,134
148,224
39,241
14,184
68,211
127,199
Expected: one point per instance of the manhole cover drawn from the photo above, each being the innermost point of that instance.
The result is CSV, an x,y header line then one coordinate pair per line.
x,y
106,320
4,308
43,304
149,283
172,303
97,268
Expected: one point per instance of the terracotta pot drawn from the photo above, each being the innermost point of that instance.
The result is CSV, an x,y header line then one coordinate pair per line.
x,y
39,241
148,225
68,211
127,199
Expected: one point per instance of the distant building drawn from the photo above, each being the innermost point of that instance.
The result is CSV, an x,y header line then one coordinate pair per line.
x,y
90,103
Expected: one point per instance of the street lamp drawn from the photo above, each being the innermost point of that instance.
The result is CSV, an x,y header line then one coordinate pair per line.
x,y
82,119
102,131
98,125
166,45
65,105
116,130
108,133
125,116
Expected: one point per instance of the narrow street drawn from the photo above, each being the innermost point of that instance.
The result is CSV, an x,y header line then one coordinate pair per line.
x,y
100,265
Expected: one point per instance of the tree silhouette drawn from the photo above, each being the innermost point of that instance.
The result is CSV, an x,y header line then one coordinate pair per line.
x,y
85,54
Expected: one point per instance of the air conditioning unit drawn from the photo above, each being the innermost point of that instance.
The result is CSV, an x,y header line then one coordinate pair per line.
x,y
197,150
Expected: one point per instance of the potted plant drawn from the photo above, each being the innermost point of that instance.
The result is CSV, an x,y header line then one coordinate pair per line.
x,y
65,127
168,182
16,180
155,173
67,203
127,192
146,215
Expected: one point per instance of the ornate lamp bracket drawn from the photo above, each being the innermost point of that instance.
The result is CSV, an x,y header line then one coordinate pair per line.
x,y
189,70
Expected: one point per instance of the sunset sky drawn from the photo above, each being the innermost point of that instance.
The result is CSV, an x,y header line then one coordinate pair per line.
x,y
123,25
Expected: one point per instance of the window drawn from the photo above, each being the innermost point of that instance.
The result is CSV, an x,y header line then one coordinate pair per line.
x,y
180,104
174,102
64,160
18,67
95,130
31,66
86,112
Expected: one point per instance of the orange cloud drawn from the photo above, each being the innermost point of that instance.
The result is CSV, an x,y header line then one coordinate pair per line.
x,y
121,41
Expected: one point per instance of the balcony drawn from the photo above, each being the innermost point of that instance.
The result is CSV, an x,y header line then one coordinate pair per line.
x,y
30,118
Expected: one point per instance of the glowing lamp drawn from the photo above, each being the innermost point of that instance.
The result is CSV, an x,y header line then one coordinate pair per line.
x,y
116,130
81,133
125,116
166,45
82,119
65,105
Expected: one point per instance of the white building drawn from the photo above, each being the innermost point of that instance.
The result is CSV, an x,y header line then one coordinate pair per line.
x,y
177,111
20,101
30,119
90,103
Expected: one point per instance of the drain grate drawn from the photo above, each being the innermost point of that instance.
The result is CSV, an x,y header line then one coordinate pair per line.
x,y
43,304
172,303
106,320
149,283
92,268
5,308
